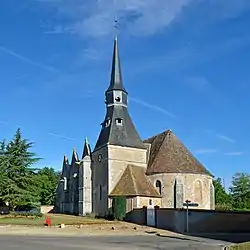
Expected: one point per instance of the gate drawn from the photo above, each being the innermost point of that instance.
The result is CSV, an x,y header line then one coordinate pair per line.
x,y
150,216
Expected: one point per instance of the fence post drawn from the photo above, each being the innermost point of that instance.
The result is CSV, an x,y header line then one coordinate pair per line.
x,y
156,216
144,209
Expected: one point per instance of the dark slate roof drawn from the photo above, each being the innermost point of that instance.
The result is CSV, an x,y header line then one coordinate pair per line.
x,y
116,74
169,155
134,182
86,149
65,165
124,135
75,157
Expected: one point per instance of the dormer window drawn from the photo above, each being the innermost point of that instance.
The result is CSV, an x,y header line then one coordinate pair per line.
x,y
118,121
107,122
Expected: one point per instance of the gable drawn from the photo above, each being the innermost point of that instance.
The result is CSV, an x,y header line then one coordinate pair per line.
x,y
134,182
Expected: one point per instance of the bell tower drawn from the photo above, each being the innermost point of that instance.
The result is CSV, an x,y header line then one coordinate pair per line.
x,y
118,143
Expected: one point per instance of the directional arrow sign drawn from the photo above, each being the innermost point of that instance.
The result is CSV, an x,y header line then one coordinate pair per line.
x,y
191,204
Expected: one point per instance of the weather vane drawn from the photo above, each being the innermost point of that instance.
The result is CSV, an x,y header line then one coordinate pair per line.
x,y
116,25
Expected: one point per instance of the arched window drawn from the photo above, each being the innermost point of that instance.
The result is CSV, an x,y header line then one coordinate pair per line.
x,y
158,186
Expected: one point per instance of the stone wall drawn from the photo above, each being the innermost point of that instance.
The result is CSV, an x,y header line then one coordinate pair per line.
x,y
137,216
176,188
100,181
148,201
120,158
108,166
200,221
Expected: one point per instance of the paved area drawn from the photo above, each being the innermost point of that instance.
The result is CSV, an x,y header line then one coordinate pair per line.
x,y
118,242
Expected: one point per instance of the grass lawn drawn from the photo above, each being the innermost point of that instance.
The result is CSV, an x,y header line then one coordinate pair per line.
x,y
55,220
241,246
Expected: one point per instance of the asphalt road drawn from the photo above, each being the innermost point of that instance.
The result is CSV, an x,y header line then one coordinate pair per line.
x,y
105,243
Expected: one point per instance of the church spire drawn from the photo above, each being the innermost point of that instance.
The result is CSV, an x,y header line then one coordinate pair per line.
x,y
117,127
116,73
86,149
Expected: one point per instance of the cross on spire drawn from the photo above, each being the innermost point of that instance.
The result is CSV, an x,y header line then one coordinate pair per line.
x,y
116,26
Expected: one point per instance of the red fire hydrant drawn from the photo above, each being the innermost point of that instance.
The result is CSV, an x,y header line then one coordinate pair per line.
x,y
48,222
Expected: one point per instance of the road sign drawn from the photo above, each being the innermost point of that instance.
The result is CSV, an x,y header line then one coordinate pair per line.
x,y
190,204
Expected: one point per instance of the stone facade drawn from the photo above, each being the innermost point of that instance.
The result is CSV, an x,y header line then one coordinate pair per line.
x,y
176,188
159,171
109,165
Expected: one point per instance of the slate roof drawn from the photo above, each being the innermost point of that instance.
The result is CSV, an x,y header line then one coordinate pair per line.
x,y
125,135
75,157
169,155
65,165
116,73
86,149
134,182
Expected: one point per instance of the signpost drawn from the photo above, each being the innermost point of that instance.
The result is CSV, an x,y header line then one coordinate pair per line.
x,y
187,204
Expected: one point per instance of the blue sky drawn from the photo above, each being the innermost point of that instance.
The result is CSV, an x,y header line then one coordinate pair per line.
x,y
185,65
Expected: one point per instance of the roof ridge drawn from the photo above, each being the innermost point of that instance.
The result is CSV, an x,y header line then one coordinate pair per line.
x,y
133,178
163,132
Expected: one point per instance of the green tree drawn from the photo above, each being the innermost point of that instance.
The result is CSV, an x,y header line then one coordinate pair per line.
x,y
222,198
240,191
3,162
17,177
47,180
119,207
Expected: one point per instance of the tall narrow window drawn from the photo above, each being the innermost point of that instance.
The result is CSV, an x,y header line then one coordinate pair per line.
x,y
100,192
158,186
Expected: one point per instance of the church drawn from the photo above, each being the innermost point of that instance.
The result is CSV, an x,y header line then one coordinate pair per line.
x,y
159,171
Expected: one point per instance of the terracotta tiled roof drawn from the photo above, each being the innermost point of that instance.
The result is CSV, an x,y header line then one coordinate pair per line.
x,y
169,155
134,182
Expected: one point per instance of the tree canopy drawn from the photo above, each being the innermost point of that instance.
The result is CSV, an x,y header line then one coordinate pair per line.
x,y
20,183
23,185
240,191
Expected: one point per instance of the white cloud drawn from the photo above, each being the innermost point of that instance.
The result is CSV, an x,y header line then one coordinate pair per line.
x,y
199,83
138,17
28,60
61,136
225,138
96,18
205,151
234,153
152,106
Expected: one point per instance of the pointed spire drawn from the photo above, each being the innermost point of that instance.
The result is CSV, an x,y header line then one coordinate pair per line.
x,y
116,74
65,165
75,157
86,149
65,159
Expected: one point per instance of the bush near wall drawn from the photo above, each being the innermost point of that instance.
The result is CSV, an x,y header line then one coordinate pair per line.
x,y
119,207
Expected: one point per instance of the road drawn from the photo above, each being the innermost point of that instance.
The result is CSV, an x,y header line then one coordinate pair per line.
x,y
11,242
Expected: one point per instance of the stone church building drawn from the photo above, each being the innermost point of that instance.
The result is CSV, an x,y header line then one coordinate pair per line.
x,y
158,171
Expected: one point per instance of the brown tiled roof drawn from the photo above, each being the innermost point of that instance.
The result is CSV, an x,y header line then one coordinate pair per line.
x,y
169,155
134,182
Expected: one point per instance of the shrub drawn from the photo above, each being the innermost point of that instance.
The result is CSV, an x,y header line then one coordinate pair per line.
x,y
25,215
223,207
119,207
